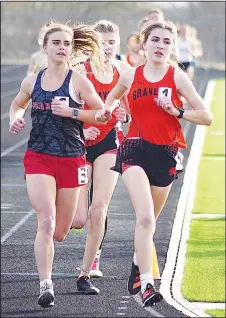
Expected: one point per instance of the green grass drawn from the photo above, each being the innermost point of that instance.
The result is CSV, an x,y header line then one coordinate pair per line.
x,y
210,189
204,274
216,313
214,142
214,145
218,107
209,198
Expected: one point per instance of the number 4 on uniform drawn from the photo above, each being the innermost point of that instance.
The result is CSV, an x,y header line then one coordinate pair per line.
x,y
165,92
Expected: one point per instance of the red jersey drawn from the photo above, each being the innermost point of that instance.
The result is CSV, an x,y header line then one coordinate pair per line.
x,y
149,121
103,90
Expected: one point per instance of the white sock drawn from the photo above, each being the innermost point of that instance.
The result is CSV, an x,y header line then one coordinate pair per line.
x,y
48,281
145,279
135,259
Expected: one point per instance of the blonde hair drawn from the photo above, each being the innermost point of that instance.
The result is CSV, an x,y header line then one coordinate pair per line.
x,y
85,40
88,42
105,26
52,27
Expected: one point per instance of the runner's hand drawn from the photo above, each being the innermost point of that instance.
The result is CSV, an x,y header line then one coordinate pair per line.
x,y
103,115
16,125
61,108
91,133
167,105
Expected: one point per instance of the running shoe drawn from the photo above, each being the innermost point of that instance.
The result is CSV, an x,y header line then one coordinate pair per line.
x,y
95,271
46,297
85,286
150,297
134,282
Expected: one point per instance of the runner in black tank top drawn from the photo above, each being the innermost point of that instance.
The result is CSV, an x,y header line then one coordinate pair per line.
x,y
55,164
51,134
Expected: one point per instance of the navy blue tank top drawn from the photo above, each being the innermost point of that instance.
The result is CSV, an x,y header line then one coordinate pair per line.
x,y
51,134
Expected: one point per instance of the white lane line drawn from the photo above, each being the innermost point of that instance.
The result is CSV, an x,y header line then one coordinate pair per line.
x,y
123,305
10,93
6,205
172,274
208,216
19,185
13,212
17,226
17,145
36,274
192,168
11,79
153,312
213,158
205,305
124,301
5,115
217,132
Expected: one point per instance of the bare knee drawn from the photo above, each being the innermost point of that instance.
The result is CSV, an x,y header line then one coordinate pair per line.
x,y
79,220
147,221
98,212
60,236
46,225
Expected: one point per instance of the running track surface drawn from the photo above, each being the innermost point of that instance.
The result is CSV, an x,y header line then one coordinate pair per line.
x,y
19,279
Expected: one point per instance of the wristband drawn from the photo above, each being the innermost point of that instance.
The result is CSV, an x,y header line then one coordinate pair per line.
x,y
181,110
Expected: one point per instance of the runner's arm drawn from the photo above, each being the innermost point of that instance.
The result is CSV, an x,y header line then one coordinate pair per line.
x,y
199,114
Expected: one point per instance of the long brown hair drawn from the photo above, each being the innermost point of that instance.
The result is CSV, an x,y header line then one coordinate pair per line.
x,y
87,42
166,25
84,40
52,27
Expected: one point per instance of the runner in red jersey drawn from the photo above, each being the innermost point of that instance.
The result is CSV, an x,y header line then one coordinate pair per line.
x,y
101,148
55,163
151,146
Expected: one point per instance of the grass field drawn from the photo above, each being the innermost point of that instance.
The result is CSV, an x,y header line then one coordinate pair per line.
x,y
204,273
216,313
210,191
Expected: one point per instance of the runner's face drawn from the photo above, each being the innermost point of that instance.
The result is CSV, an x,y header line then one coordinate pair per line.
x,y
110,43
159,45
133,44
155,17
59,46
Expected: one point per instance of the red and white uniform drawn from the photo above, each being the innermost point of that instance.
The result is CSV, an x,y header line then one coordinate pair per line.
x,y
149,121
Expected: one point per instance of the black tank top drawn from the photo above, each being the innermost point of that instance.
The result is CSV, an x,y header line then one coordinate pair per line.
x,y
51,134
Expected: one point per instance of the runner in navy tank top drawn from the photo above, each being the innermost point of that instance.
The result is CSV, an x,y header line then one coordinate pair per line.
x,y
149,153
55,163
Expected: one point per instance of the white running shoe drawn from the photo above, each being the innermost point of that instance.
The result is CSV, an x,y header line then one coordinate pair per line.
x,y
95,271
46,297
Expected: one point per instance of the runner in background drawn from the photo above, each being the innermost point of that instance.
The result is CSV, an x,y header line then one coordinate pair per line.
x,y
38,60
101,146
186,50
135,53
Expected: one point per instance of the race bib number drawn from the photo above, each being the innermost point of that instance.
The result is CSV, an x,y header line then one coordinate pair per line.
x,y
165,92
179,161
83,175
63,98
